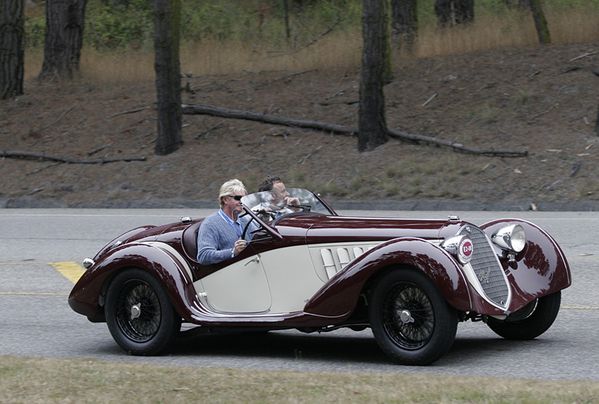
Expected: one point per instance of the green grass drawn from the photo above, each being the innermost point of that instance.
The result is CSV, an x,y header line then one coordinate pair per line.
x,y
26,380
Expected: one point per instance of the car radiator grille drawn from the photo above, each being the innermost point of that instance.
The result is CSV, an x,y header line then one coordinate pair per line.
x,y
486,267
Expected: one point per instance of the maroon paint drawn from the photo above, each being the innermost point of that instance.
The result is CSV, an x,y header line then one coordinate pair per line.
x,y
540,268
85,296
339,296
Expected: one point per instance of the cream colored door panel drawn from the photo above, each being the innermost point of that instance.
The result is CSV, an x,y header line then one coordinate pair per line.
x,y
238,288
291,278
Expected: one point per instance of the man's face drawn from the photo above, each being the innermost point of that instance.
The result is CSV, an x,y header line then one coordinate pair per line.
x,y
233,202
279,192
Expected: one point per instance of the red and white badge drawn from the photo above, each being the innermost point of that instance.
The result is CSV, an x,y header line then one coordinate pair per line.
x,y
465,250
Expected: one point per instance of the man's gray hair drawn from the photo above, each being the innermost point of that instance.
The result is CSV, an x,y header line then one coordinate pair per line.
x,y
231,187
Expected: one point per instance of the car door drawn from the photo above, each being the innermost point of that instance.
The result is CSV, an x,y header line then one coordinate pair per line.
x,y
241,287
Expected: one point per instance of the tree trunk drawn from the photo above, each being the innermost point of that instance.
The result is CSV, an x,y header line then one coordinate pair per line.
x,y
167,20
12,31
404,23
388,71
286,18
454,12
65,20
372,124
540,22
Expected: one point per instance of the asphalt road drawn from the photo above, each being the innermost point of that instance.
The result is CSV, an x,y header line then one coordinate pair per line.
x,y
35,319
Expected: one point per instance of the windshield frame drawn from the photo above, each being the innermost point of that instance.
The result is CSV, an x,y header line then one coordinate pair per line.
x,y
309,202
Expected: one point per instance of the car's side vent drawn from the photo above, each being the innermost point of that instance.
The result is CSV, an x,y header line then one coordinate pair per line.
x,y
330,259
329,263
343,255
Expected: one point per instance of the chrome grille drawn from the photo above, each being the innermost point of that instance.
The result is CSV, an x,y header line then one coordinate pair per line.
x,y
486,267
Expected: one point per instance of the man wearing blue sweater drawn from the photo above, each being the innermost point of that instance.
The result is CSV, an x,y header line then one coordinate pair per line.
x,y
219,237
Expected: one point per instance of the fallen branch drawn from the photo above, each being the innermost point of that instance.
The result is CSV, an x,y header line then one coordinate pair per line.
x,y
97,150
432,97
326,104
197,109
458,147
45,157
584,55
307,156
543,112
58,119
207,131
130,111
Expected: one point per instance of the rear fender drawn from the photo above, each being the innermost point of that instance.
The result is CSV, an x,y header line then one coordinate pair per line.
x,y
340,295
159,259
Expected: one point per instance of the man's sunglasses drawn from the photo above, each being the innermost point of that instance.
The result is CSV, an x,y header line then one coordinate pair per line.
x,y
236,197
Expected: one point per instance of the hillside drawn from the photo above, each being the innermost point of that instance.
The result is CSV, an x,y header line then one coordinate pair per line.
x,y
543,100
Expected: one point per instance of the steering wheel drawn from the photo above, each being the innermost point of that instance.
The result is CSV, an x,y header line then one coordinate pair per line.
x,y
247,226
261,225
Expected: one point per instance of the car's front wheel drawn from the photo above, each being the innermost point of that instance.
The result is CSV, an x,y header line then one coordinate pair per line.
x,y
410,320
139,314
530,321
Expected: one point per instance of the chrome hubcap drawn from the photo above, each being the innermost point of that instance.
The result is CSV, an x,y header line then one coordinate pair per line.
x,y
135,311
406,317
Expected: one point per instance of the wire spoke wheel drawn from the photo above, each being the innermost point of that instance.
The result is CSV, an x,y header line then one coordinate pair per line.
x,y
410,320
408,316
138,311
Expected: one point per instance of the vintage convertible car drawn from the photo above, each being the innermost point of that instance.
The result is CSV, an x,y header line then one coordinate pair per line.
x,y
308,268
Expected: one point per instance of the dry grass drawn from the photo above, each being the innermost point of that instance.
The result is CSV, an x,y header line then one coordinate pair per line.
x,y
512,30
336,51
59,380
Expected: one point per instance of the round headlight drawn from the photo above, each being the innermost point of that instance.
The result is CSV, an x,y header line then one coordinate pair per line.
x,y
518,239
511,237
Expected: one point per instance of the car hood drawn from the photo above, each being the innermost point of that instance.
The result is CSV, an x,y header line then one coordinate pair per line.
x,y
322,229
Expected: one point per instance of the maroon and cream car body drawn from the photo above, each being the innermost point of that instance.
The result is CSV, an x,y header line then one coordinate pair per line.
x,y
411,281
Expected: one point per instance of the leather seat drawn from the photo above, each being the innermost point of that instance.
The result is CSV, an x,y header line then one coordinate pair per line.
x,y
190,240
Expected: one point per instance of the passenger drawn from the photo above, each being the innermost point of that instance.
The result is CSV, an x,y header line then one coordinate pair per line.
x,y
219,237
281,200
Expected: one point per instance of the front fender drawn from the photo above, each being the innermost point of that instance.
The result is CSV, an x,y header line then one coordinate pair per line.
x,y
540,269
340,295
159,259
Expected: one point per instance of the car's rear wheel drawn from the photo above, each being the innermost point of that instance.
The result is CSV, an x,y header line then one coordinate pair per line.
x,y
139,314
410,320
530,321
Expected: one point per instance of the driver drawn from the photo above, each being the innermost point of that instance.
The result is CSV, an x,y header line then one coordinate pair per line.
x,y
219,237
281,202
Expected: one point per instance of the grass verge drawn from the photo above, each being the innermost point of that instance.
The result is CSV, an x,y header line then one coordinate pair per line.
x,y
79,380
